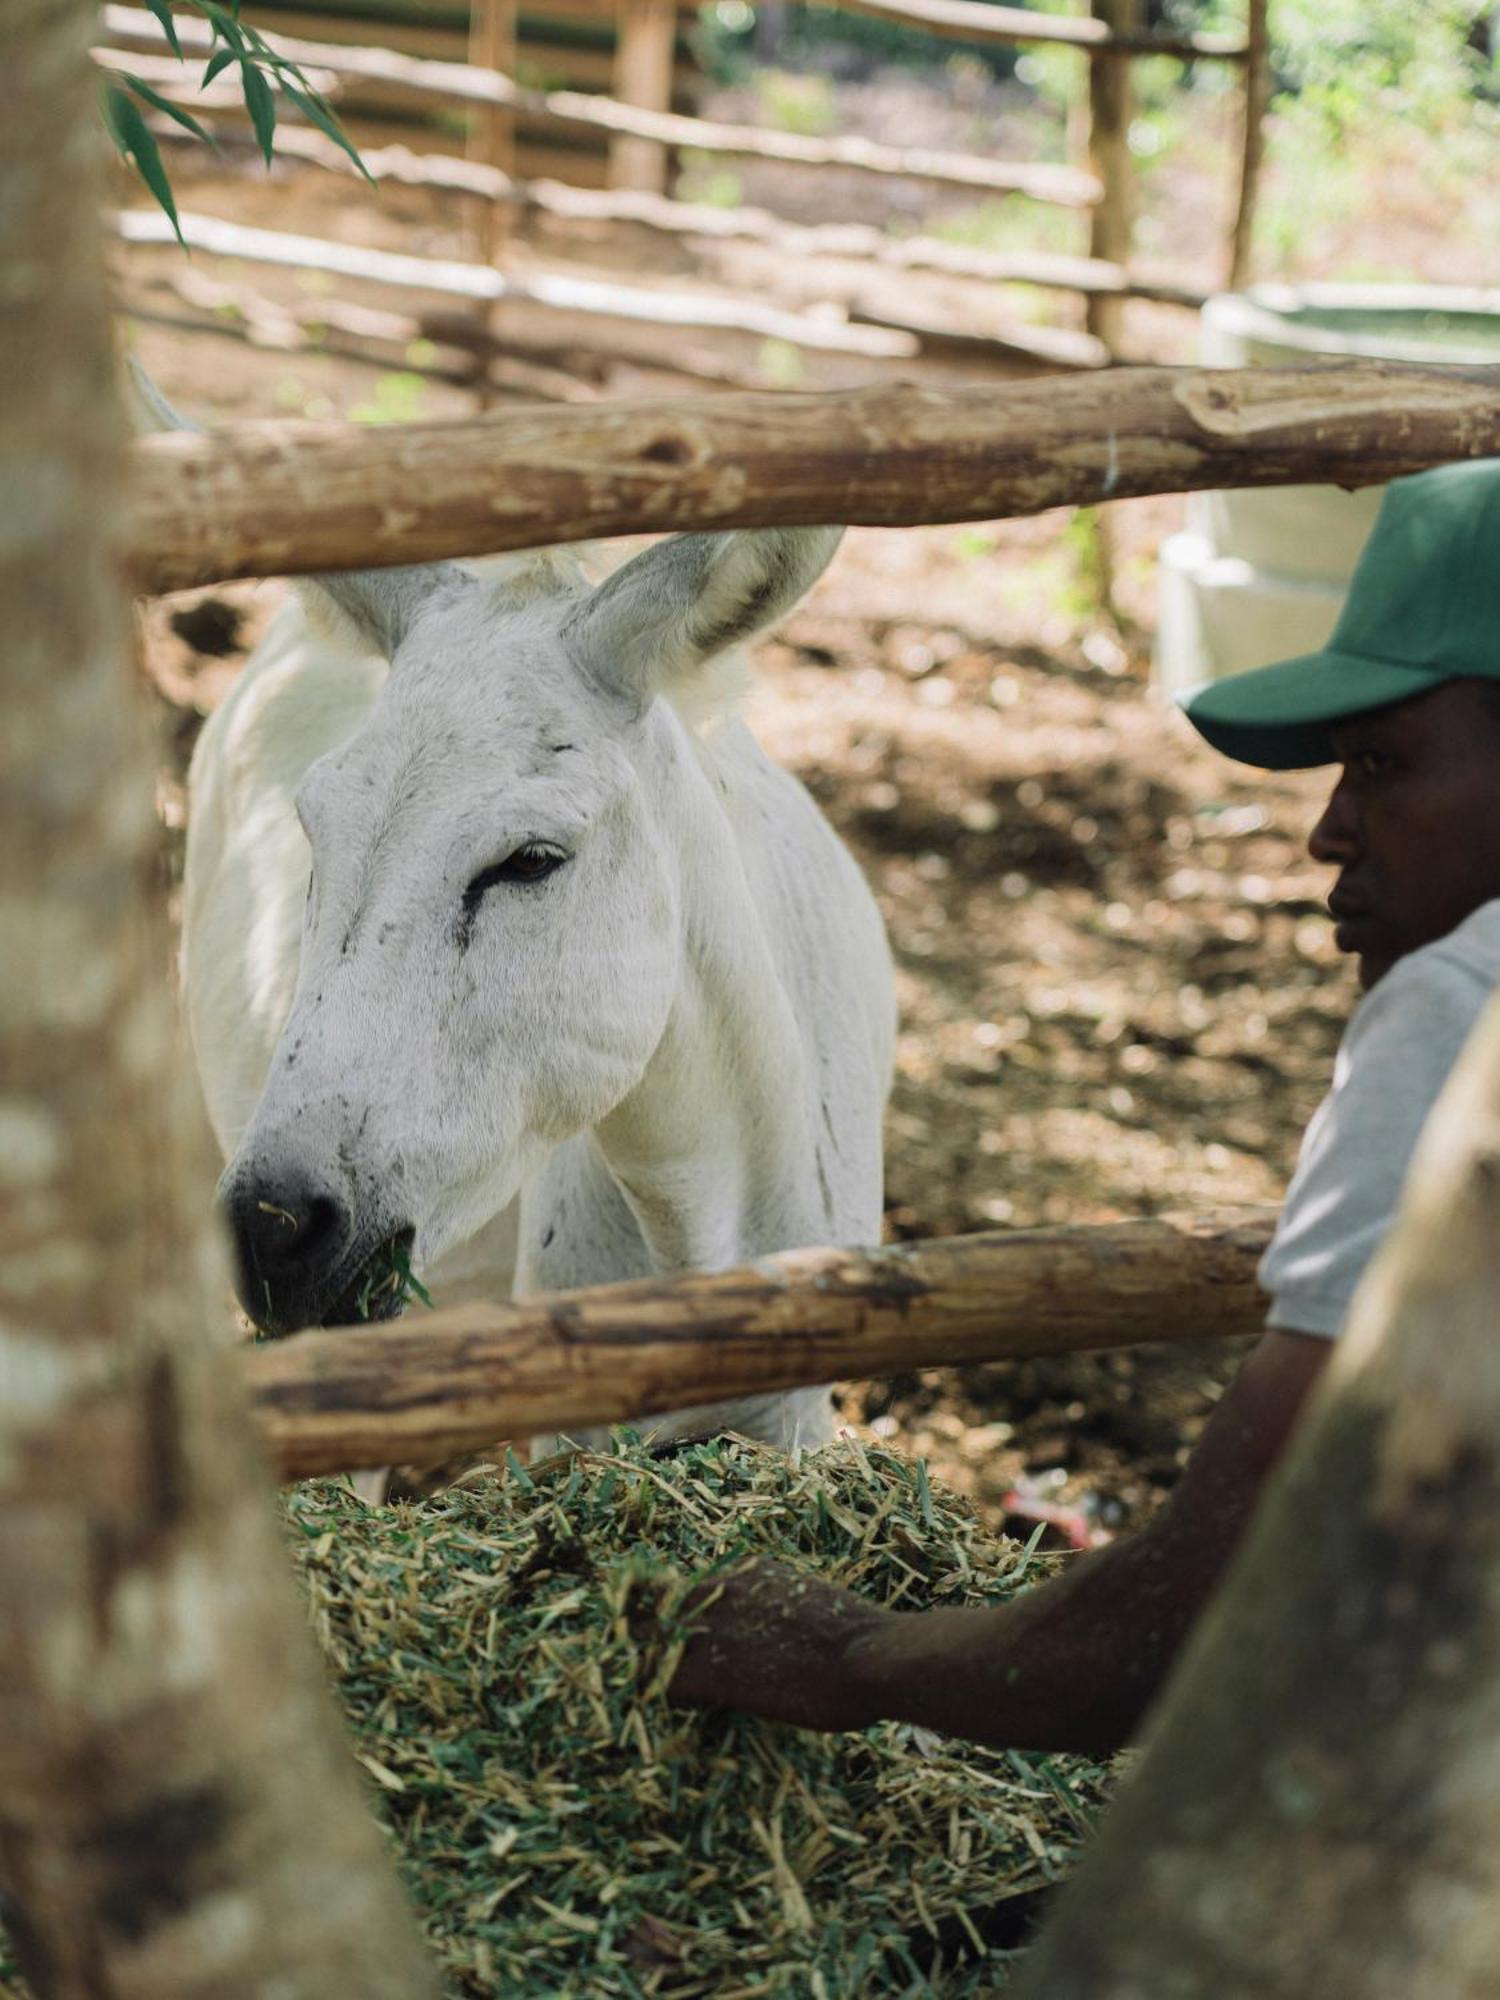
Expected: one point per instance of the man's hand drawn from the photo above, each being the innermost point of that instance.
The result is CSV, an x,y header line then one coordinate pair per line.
x,y
1069,1664
780,1644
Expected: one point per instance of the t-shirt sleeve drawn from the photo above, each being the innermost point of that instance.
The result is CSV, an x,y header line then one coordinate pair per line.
x,y
1400,1045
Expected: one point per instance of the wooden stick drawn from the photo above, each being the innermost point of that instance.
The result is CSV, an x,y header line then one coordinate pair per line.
x,y
418,1391
977,21
542,288
491,144
290,498
1064,186
1109,160
1254,100
362,334
492,132
647,39
856,240
1046,348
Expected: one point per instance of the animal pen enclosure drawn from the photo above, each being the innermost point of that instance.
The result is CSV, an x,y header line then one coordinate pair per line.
x,y
551,311
175,1814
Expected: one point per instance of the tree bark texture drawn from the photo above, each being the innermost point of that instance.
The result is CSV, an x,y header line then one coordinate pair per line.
x,y
426,1389
268,499
178,1812
1319,1808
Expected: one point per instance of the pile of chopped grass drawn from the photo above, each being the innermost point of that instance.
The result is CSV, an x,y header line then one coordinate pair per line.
x,y
500,1651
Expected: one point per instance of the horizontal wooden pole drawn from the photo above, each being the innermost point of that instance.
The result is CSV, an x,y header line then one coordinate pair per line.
x,y
978,21
559,202
418,1391
602,298
293,497
1069,187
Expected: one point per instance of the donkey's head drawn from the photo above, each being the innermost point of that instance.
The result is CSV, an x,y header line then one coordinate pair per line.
x,y
492,944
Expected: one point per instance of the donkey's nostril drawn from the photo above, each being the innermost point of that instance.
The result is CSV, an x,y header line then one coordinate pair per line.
x,y
288,1242
281,1235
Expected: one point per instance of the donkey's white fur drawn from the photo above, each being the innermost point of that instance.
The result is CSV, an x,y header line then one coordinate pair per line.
x,y
674,1049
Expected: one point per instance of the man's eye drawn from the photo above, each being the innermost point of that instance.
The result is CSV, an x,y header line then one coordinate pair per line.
x,y
1372,763
531,862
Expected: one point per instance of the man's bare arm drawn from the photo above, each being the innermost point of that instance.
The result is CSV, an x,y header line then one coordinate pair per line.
x,y
1070,1665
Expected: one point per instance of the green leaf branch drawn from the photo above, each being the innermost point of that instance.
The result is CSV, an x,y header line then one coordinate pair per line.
x,y
264,75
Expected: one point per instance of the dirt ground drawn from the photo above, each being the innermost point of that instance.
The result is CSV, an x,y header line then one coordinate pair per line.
x,y
1119,992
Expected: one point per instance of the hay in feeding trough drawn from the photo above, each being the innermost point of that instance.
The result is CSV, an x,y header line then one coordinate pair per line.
x,y
500,1652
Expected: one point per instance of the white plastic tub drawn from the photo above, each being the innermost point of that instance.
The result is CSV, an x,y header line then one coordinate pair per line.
x,y
1261,573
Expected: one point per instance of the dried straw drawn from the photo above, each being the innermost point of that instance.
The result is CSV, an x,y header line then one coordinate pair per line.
x,y
501,1649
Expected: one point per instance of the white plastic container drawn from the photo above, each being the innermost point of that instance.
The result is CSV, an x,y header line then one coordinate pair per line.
x,y
1261,573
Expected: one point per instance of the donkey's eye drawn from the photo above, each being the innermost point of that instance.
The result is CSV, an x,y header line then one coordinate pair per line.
x,y
532,862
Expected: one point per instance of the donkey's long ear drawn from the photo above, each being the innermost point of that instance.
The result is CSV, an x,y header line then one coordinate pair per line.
x,y
667,613
380,605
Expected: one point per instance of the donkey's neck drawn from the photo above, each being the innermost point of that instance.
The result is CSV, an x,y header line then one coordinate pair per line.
x,y
712,1149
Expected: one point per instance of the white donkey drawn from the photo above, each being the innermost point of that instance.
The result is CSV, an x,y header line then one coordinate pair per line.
x,y
491,894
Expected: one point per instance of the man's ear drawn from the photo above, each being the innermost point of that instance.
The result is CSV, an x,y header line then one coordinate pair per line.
x,y
662,617
380,606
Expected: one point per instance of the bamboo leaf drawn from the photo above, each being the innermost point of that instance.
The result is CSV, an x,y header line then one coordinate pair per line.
x,y
163,12
260,102
225,24
217,63
129,132
160,103
313,108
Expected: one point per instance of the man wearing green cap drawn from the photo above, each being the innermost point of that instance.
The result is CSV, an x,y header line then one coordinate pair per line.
x,y
1405,700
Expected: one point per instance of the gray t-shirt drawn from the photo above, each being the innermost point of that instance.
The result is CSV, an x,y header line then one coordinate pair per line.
x,y
1403,1039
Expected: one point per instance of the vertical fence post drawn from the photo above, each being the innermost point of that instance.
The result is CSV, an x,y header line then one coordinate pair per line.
x,y
492,140
646,44
1108,158
179,1811
1257,92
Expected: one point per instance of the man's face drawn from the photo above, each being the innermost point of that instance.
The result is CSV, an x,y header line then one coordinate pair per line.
x,y
1413,825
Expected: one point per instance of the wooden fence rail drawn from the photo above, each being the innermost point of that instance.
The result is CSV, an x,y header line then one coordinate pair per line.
x,y
559,291
271,499
805,242
460,83
978,21
419,1391
642,130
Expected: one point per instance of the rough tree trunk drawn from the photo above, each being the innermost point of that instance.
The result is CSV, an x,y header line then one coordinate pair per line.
x,y
425,1389
1319,1809
178,1812
264,499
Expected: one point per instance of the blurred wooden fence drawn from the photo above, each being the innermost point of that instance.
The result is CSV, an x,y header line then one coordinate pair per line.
x,y
557,103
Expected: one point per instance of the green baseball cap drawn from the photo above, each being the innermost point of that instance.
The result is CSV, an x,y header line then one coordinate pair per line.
x,y
1423,608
